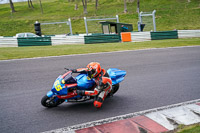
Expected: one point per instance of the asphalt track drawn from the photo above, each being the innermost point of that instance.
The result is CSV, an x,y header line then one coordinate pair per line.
x,y
155,78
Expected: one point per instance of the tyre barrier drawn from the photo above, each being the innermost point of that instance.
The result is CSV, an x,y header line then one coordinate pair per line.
x,y
98,38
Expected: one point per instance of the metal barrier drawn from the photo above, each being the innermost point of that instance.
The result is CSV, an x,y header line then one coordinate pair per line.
x,y
8,42
98,38
34,41
98,19
61,40
188,33
140,36
164,35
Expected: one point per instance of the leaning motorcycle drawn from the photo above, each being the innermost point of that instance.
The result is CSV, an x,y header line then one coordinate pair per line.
x,y
65,86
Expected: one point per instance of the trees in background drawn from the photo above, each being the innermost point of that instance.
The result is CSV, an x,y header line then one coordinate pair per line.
x,y
41,8
84,2
125,7
30,4
138,6
12,6
96,4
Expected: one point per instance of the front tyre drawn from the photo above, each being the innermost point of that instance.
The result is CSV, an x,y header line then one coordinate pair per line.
x,y
51,101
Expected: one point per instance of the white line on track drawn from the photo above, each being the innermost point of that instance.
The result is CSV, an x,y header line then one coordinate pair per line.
x,y
96,53
71,129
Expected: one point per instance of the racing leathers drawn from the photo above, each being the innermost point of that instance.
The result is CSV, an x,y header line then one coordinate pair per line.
x,y
103,86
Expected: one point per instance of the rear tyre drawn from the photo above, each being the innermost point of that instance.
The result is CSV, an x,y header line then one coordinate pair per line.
x,y
115,88
51,101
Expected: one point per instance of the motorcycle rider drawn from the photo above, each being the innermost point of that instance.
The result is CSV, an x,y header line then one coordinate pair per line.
x,y
102,80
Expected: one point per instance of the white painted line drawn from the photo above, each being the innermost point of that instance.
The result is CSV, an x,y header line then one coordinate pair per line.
x,y
116,118
98,53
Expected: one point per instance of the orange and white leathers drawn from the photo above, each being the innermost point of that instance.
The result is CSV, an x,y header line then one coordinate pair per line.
x,y
103,87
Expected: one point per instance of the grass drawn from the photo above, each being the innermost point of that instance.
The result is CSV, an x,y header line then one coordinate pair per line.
x,y
42,51
170,14
188,129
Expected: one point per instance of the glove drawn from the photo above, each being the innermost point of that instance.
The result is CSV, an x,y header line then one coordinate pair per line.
x,y
73,70
80,92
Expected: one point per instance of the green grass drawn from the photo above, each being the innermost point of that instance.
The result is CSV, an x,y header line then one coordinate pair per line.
x,y
171,14
189,129
42,51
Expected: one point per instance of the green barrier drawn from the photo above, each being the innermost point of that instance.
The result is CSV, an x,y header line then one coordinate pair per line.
x,y
34,41
101,38
164,35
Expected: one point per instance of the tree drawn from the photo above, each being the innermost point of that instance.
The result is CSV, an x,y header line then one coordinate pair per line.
x,y
85,6
30,4
96,5
76,5
41,7
138,6
12,6
125,7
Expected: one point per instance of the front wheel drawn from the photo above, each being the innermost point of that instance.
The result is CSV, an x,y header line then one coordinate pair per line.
x,y
51,101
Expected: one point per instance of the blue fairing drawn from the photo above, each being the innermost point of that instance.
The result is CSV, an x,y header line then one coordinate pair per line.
x,y
116,75
83,83
62,91
50,94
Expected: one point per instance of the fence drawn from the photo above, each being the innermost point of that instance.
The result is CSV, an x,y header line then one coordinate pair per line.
x,y
188,33
98,19
62,26
8,42
164,35
34,41
104,38
140,36
60,40
101,38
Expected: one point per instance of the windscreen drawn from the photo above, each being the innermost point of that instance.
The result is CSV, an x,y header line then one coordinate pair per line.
x,y
69,79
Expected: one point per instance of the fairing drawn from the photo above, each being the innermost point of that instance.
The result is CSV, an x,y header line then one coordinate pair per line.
x,y
83,83
116,75
58,87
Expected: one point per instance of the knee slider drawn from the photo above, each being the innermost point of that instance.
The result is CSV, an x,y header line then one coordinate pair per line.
x,y
97,104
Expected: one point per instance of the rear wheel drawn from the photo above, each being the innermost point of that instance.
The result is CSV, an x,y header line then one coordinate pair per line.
x,y
115,88
51,101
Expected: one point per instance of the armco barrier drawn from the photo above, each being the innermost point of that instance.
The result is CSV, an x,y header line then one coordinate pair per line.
x,y
97,38
140,36
164,35
8,42
61,40
188,33
104,38
34,41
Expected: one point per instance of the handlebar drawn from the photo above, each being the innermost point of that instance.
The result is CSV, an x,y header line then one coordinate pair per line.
x,y
67,69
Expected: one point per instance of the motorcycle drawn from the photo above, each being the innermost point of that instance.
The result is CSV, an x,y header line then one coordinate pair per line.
x,y
65,86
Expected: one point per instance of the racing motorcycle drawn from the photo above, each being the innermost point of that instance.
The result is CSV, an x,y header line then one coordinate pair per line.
x,y
65,86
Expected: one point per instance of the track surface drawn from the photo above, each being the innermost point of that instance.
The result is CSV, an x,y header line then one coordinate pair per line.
x,y
154,78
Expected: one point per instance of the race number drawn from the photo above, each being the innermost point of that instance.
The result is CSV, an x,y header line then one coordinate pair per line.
x,y
57,85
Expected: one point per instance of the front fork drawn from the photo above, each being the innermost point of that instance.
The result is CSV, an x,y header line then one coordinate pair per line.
x,y
51,95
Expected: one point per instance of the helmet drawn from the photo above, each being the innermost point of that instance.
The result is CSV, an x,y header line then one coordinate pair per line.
x,y
94,69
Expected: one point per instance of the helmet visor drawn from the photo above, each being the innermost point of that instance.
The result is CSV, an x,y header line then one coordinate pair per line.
x,y
91,73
